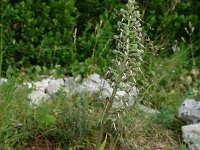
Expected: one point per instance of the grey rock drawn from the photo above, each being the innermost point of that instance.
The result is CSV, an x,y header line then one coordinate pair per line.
x,y
54,86
42,85
121,94
80,89
148,110
91,87
95,84
129,94
105,89
133,92
189,111
119,101
194,147
70,85
3,80
191,136
123,99
95,78
78,78
37,97
28,84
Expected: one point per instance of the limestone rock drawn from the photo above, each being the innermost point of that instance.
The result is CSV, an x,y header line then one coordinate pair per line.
x,y
95,78
37,97
119,101
70,85
91,87
189,111
3,80
123,99
105,89
148,110
94,84
133,92
54,86
78,78
41,85
80,89
191,136
28,84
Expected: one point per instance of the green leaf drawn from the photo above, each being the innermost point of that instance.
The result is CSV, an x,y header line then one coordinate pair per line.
x,y
102,147
47,120
38,69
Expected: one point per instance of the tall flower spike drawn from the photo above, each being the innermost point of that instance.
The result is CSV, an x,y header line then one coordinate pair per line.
x,y
128,53
129,44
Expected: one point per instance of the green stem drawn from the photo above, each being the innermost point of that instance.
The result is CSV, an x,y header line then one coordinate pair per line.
x,y
107,112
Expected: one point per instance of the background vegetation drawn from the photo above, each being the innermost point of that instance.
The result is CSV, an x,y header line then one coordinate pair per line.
x,y
50,33
75,37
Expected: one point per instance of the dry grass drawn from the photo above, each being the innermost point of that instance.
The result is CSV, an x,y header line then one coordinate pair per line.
x,y
142,132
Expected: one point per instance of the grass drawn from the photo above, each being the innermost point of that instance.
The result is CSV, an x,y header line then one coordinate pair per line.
x,y
73,123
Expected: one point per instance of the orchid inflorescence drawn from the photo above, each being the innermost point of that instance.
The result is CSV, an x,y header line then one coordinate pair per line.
x,y
129,48
126,64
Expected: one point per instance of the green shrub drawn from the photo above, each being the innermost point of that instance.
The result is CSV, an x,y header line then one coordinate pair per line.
x,y
49,33
95,29
166,21
37,32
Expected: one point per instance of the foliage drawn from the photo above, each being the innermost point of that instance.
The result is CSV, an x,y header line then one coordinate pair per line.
x,y
166,20
173,29
77,34
95,29
38,32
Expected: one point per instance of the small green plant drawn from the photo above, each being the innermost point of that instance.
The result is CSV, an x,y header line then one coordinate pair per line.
x,y
14,115
166,116
126,65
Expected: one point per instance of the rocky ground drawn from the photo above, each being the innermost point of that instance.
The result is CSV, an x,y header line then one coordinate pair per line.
x,y
43,90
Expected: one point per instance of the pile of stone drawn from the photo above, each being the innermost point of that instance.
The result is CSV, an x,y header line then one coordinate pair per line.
x,y
3,80
93,85
189,111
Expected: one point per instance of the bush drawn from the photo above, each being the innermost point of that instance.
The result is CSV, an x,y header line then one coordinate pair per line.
x,y
96,27
166,21
38,32
49,33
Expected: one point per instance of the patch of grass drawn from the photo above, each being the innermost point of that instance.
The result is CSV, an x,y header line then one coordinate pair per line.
x,y
138,130
14,115
73,122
